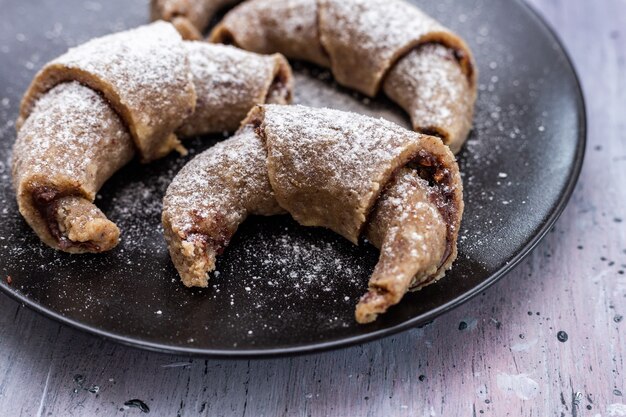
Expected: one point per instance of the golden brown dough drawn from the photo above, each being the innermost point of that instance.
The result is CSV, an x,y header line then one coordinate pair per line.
x,y
229,82
210,197
353,174
143,73
71,138
69,146
189,16
369,45
288,26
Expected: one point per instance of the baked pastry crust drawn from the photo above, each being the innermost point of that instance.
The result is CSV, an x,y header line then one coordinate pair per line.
x,y
291,26
210,197
143,73
353,174
190,17
70,145
370,45
229,82
89,112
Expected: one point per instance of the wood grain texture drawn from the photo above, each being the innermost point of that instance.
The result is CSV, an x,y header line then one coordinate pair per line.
x,y
496,355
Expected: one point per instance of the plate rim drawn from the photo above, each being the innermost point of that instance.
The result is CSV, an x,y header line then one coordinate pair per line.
x,y
417,321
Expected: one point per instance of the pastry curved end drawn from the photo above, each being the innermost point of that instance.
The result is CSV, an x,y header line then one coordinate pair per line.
x,y
411,235
72,224
192,255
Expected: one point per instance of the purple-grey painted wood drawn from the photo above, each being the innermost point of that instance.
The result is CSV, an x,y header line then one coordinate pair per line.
x,y
506,360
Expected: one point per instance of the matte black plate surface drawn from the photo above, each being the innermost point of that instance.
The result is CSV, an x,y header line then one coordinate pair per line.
x,y
283,288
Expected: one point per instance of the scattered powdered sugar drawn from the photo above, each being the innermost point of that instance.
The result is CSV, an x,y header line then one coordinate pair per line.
x,y
288,267
138,278
297,265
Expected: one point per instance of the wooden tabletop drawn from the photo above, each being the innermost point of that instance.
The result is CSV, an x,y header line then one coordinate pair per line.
x,y
547,340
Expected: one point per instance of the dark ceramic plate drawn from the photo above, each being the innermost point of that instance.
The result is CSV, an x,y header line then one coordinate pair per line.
x,y
282,288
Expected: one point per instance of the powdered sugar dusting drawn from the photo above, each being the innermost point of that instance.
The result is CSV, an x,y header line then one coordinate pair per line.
x,y
145,58
140,66
383,26
351,152
439,92
228,82
70,131
286,26
227,72
365,37
226,183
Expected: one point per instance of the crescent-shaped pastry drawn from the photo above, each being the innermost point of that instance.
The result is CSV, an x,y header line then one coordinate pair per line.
x,y
370,45
358,176
90,111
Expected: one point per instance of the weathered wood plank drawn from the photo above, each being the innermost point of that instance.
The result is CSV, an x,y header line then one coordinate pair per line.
x,y
507,361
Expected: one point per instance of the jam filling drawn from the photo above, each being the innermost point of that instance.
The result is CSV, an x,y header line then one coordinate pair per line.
x,y
46,200
439,178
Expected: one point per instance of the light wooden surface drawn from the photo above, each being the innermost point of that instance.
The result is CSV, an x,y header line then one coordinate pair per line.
x,y
506,361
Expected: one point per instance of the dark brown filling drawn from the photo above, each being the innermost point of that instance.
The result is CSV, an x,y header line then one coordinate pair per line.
x,y
46,200
433,170
227,38
465,63
256,120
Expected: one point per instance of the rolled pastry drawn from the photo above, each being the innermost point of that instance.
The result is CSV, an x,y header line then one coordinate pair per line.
x,y
358,176
143,73
70,145
87,114
229,82
190,17
369,45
